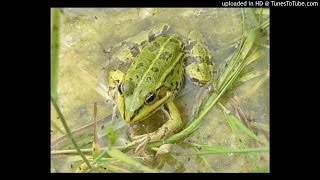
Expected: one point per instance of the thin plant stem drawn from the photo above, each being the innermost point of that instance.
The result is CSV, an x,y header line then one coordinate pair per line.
x,y
64,123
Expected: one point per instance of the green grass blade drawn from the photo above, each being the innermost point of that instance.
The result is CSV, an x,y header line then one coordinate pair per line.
x,y
235,122
264,25
251,75
232,125
54,50
111,135
64,123
255,55
242,127
237,62
205,149
127,159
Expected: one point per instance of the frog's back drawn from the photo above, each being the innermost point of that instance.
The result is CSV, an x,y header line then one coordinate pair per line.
x,y
159,63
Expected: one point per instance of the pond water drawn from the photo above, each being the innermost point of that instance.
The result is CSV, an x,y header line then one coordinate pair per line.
x,y
86,36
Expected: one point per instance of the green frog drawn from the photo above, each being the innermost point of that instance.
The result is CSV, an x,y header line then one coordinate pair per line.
x,y
156,63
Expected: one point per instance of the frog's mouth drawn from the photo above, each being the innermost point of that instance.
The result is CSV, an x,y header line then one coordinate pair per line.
x,y
144,111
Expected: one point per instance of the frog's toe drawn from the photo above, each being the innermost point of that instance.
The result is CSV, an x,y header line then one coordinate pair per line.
x,y
141,143
138,139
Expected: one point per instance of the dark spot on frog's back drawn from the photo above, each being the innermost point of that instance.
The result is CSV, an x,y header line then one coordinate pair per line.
x,y
149,79
139,65
165,55
154,46
172,73
154,69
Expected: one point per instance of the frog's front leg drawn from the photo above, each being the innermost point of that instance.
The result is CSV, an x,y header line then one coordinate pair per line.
x,y
199,61
174,123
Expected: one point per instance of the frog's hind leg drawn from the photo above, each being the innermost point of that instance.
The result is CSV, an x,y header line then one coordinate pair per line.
x,y
199,61
131,47
136,43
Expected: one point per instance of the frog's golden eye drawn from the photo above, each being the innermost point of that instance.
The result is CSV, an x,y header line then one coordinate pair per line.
x,y
150,98
121,88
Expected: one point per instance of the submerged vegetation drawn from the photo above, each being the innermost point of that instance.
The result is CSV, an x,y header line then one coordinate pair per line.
x,y
238,69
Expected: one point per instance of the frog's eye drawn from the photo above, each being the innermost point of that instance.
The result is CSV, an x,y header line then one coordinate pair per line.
x,y
121,88
150,98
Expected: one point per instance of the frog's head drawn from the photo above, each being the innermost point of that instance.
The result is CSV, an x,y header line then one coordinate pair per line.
x,y
135,104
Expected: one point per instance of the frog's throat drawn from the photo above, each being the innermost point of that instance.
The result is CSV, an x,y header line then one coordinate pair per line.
x,y
144,112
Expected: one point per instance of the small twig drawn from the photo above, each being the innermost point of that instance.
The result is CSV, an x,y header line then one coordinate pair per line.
x,y
77,131
95,138
239,112
95,145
